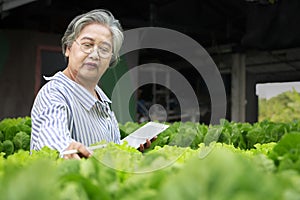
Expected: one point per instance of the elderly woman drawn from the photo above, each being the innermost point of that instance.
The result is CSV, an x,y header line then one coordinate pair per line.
x,y
71,111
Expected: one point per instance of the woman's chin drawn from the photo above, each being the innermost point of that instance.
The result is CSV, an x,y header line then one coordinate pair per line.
x,y
89,74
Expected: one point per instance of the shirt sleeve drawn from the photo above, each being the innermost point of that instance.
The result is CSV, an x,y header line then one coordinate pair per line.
x,y
50,124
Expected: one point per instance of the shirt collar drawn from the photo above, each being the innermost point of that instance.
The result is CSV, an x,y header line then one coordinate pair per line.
x,y
81,94
102,95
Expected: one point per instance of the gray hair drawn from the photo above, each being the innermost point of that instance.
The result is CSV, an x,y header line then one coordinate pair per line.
x,y
99,16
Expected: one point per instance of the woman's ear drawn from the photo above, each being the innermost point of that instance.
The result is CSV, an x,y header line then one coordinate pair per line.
x,y
67,52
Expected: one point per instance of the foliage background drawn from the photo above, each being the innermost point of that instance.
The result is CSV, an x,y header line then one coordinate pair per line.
x,y
284,107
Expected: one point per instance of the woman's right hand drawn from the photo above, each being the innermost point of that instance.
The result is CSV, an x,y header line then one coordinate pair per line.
x,y
83,151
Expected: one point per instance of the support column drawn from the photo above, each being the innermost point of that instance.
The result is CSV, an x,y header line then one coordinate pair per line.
x,y
252,99
238,86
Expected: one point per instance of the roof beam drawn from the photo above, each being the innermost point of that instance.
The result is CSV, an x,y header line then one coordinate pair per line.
x,y
6,5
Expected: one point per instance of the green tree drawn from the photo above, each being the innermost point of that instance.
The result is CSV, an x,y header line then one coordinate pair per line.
x,y
284,107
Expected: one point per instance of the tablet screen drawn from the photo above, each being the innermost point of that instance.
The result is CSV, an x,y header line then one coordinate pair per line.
x,y
148,131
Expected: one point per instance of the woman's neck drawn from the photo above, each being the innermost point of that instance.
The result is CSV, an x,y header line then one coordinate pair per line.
x,y
87,84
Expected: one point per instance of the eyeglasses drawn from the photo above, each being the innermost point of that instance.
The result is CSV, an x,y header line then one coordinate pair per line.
x,y
104,51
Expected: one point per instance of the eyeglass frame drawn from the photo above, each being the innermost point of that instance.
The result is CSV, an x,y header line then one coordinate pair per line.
x,y
93,49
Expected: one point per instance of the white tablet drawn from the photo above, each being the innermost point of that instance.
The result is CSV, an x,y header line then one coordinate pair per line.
x,y
148,131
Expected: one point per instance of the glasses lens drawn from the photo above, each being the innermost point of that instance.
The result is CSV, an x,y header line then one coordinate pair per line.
x,y
86,49
103,51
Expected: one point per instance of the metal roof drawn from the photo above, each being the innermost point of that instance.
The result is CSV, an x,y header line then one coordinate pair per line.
x,y
268,32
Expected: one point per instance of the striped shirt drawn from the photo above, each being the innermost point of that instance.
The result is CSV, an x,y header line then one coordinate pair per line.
x,y
64,111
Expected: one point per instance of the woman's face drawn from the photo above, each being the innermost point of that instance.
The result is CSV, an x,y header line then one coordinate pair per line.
x,y
89,67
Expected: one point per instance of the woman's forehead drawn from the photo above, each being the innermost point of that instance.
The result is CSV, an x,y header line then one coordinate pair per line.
x,y
96,32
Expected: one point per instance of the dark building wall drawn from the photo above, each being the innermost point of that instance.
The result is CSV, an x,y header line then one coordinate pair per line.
x,y
18,69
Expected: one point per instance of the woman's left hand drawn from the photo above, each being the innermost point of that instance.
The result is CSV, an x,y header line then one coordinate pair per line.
x,y
147,144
